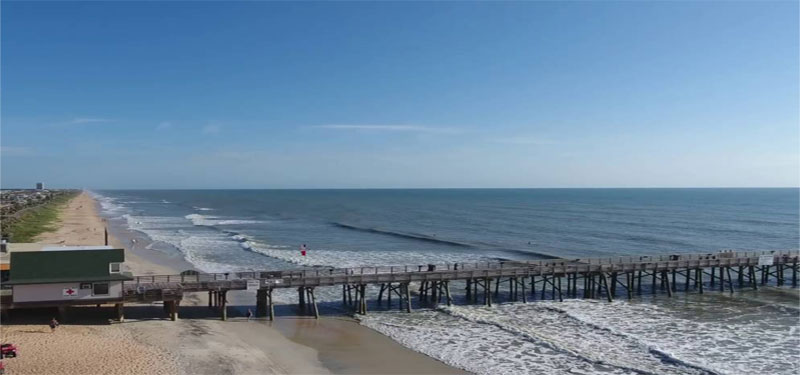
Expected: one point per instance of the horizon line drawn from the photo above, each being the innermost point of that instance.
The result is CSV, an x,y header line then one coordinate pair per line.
x,y
422,188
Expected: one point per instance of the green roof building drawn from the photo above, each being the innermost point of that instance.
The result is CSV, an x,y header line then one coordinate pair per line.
x,y
57,276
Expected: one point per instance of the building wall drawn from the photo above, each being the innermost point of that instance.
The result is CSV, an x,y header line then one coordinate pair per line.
x,y
54,292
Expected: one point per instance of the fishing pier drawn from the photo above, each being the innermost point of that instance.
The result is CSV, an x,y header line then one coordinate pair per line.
x,y
483,283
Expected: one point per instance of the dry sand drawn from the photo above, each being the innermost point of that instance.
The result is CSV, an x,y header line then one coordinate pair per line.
x,y
90,342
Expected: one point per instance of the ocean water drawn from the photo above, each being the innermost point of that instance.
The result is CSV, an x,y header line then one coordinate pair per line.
x,y
748,332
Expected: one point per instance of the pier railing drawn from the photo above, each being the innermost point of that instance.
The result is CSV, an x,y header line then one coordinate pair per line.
x,y
319,276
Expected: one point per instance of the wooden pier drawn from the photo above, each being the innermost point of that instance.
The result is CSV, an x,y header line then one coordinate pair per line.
x,y
605,278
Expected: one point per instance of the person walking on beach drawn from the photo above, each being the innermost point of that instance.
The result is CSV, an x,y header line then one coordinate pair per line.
x,y
249,314
53,324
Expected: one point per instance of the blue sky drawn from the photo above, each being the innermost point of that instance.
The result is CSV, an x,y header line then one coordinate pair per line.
x,y
315,95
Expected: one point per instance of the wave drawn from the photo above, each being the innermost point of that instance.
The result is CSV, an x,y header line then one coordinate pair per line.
x,y
210,221
411,236
528,253
202,208
624,342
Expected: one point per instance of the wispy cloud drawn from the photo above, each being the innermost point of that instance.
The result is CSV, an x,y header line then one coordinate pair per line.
x,y
15,151
525,140
390,128
164,125
87,120
210,129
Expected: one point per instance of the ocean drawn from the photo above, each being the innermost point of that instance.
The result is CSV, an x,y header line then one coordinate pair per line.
x,y
747,332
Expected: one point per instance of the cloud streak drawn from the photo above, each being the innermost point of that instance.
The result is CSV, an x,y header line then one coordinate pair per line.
x,y
389,128
87,120
525,140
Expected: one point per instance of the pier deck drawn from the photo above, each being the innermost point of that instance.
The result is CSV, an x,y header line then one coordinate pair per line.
x,y
600,278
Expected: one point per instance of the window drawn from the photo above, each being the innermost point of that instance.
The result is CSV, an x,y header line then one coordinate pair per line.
x,y
100,289
114,267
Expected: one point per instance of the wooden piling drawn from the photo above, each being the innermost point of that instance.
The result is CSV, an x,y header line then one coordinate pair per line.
x,y
261,302
408,298
380,294
614,285
447,293
271,306
629,282
666,280
740,277
544,285
605,284
488,292
673,279
700,279
639,284
350,294
224,304
713,273
688,280
560,297
730,281
313,302
120,307
301,300
654,282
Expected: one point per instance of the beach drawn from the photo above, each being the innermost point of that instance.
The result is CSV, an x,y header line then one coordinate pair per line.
x,y
242,230
89,341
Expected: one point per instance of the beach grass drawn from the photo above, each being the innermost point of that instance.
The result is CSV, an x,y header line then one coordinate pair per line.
x,y
36,220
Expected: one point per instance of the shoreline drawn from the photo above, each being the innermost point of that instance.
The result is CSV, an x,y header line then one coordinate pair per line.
x,y
341,344
199,343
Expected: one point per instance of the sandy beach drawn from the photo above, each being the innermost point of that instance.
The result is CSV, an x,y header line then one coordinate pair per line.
x,y
90,342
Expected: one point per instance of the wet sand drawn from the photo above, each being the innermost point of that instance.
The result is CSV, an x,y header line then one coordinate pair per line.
x,y
346,347
198,343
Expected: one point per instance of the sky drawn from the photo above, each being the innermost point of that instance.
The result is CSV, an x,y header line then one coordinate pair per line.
x,y
109,95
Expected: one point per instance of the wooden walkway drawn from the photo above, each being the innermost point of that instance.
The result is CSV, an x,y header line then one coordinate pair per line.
x,y
554,278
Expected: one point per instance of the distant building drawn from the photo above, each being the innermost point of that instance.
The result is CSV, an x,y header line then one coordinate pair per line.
x,y
66,275
39,186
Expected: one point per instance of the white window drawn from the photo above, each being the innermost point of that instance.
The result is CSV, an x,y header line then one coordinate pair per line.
x,y
114,267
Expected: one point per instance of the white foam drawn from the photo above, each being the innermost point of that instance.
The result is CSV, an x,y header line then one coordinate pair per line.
x,y
594,336
351,258
476,347
203,208
107,205
208,220
732,336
